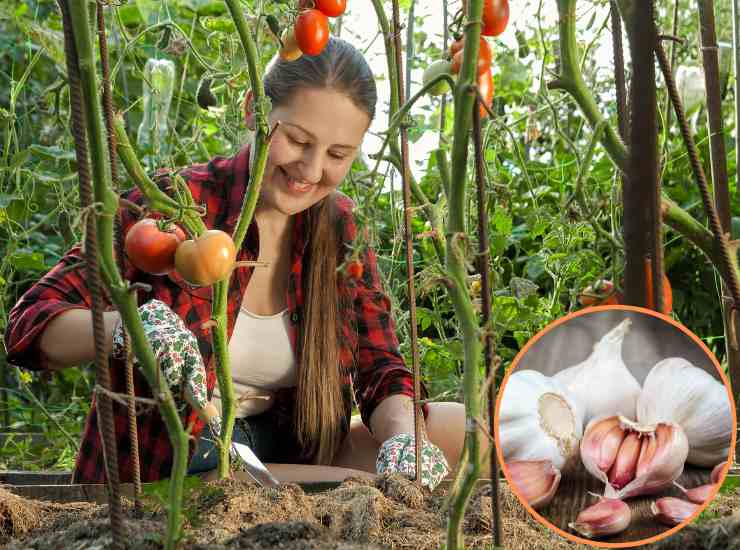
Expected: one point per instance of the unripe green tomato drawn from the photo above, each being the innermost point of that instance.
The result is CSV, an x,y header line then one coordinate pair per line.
x,y
441,66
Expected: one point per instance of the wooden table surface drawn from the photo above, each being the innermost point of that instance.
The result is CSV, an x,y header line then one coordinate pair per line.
x,y
573,496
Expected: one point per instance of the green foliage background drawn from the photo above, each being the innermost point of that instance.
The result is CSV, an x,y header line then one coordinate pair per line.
x,y
544,246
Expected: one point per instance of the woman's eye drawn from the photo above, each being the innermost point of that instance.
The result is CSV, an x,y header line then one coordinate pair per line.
x,y
297,141
337,156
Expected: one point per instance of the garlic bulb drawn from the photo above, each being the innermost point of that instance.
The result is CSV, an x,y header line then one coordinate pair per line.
x,y
633,459
538,420
677,391
602,384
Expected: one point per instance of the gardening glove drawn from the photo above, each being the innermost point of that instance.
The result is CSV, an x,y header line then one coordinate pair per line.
x,y
177,353
397,455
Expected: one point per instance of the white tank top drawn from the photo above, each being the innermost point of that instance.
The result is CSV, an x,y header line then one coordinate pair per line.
x,y
261,361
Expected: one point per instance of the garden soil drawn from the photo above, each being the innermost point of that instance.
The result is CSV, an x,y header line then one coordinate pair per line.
x,y
359,514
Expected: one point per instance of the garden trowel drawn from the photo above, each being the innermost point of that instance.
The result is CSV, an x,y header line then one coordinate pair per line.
x,y
254,466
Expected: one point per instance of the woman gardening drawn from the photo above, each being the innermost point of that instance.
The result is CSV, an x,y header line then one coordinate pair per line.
x,y
306,339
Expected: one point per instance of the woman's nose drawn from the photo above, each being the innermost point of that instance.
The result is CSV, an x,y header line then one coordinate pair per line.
x,y
312,165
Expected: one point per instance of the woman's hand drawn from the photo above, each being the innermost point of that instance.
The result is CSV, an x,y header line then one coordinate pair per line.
x,y
397,455
177,353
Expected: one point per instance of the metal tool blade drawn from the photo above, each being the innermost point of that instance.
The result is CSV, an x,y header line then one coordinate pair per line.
x,y
254,466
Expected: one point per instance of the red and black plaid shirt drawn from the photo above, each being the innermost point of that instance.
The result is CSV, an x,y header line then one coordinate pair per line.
x,y
378,370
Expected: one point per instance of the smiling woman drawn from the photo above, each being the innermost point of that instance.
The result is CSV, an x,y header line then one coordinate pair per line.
x,y
307,341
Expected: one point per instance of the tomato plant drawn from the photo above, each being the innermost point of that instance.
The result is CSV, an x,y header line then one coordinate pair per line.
x,y
485,86
207,259
484,56
290,50
495,17
355,269
311,31
331,8
151,248
439,67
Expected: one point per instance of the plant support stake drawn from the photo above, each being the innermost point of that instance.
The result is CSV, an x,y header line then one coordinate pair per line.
x,y
409,245
104,407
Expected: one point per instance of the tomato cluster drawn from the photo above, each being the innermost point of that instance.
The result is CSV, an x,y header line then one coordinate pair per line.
x,y
310,33
159,248
494,20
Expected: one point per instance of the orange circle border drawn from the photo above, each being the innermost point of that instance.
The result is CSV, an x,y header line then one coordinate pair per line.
x,y
499,453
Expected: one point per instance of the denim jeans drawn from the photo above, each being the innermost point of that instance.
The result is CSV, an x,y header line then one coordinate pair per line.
x,y
259,432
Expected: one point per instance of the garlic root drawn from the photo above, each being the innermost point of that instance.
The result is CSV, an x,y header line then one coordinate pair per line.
x,y
607,517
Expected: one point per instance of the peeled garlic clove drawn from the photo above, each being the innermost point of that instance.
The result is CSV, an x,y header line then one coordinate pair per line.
x,y
664,466
538,419
625,465
677,391
536,480
700,494
718,471
672,511
606,517
602,384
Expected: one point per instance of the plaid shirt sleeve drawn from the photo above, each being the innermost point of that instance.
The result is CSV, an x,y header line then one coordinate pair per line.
x,y
61,289
381,370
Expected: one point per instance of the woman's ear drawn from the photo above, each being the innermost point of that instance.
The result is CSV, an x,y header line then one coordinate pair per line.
x,y
249,110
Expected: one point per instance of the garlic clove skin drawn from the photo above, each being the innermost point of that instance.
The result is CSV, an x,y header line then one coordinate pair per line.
x,y
700,494
625,466
677,391
663,467
718,472
606,517
648,458
602,384
600,445
539,420
536,480
672,511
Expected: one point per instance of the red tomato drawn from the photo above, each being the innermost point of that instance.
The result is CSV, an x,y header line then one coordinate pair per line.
x,y
150,249
485,86
355,269
495,17
331,8
206,259
311,31
484,58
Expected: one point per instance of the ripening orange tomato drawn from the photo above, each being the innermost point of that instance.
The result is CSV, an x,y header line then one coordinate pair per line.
x,y
206,259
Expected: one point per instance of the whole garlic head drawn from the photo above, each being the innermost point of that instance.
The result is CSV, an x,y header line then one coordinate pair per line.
x,y
539,419
677,391
602,384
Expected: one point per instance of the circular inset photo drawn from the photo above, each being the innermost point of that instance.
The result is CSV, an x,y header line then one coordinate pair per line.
x,y
614,426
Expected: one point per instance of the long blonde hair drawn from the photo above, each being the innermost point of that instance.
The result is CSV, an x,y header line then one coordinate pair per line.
x,y
319,406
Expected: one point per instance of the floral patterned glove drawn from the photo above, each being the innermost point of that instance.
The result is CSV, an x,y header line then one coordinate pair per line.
x,y
397,455
176,350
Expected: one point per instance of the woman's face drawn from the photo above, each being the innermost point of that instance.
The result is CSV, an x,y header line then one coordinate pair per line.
x,y
320,134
